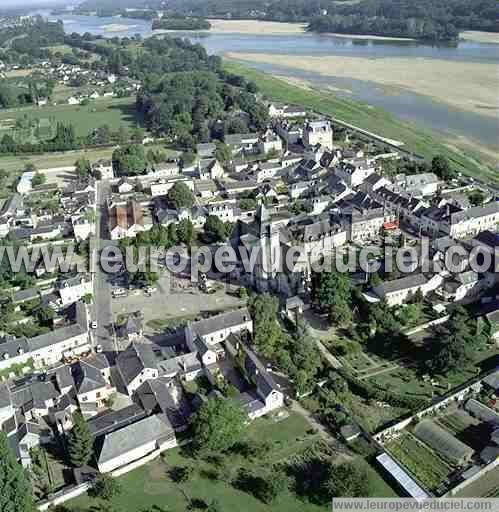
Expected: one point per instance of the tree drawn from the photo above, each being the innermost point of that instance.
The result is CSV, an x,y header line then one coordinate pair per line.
x,y
457,343
185,232
267,335
80,445
222,153
180,196
107,487
187,158
214,506
217,426
216,229
83,167
38,179
130,159
16,494
332,292
181,474
476,197
441,167
263,484
350,479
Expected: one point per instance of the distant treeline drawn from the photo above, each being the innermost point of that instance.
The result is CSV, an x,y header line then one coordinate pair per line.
x,y
177,23
421,19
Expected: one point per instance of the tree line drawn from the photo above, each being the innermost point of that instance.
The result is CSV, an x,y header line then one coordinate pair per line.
x,y
425,19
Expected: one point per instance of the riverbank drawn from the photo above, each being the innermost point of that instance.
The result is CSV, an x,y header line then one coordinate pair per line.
x,y
369,118
276,28
470,86
480,37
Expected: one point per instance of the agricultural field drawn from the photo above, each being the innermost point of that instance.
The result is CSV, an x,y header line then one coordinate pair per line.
x,y
114,112
424,464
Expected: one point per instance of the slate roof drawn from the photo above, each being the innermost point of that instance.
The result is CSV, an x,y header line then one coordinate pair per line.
x,y
403,283
88,376
136,358
15,346
114,420
492,380
221,321
133,436
155,397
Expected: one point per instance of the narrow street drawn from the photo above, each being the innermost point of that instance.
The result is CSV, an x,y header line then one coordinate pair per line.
x,y
102,312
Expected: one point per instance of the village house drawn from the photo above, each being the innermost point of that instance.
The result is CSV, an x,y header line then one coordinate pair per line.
x,y
242,143
75,288
355,172
318,132
286,111
132,442
398,291
418,185
137,364
266,396
268,142
206,150
163,185
125,221
93,382
103,169
290,133
50,348
209,169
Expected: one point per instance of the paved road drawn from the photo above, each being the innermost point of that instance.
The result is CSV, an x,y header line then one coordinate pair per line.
x,y
102,312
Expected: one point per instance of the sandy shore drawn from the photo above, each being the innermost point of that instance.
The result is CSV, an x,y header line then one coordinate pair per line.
x,y
480,37
115,27
256,27
274,28
470,86
374,38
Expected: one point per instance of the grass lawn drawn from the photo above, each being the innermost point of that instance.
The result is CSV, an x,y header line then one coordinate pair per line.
x,y
368,118
421,461
114,112
150,485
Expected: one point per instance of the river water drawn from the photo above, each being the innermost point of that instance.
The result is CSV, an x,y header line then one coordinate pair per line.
x,y
404,104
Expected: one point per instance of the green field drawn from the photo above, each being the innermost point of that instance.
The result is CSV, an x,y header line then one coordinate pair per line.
x,y
422,462
114,112
366,117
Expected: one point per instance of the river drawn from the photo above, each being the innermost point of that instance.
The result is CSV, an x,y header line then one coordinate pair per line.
x,y
403,103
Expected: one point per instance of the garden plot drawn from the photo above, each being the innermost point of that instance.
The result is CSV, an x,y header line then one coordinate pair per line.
x,y
422,462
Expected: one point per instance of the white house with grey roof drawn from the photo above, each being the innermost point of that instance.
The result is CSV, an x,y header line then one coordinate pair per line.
x,y
49,348
266,396
93,380
217,328
73,289
398,291
137,364
116,449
